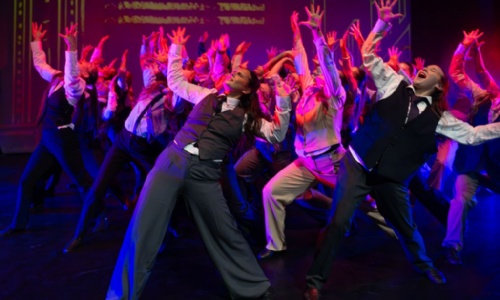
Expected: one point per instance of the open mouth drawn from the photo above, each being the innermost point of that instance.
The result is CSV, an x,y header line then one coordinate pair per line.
x,y
422,74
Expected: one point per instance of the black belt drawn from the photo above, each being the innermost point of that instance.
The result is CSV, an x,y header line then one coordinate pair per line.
x,y
331,149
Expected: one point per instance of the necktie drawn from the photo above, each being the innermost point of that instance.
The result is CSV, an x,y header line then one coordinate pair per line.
x,y
149,125
220,100
413,111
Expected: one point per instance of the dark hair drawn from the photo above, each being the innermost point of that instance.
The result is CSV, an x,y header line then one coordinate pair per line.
x,y
92,77
250,103
359,75
156,87
440,97
478,101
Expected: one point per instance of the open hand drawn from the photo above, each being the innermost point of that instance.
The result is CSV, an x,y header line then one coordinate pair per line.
x,y
385,10
178,37
37,32
70,37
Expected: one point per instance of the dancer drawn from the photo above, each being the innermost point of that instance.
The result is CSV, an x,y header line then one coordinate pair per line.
x,y
59,143
317,138
471,161
138,142
190,167
396,138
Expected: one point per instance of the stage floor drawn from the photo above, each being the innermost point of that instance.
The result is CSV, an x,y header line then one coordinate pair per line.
x,y
370,265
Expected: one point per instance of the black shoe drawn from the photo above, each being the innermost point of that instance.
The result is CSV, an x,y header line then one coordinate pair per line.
x,y
72,245
453,256
312,294
435,276
8,231
266,253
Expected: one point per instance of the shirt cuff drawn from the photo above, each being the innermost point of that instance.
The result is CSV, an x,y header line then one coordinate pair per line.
x,y
461,49
283,103
381,26
175,49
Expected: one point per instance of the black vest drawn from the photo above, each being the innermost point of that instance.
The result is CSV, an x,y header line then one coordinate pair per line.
x,y
215,134
396,149
485,156
57,110
87,116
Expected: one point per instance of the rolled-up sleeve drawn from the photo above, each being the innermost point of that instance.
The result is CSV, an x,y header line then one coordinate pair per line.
x,y
40,62
275,131
330,73
74,85
178,83
464,133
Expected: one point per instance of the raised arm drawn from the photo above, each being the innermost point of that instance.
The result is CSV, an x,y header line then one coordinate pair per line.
x,y
275,131
355,31
299,53
485,78
237,58
393,62
147,47
457,66
74,85
221,64
175,78
39,58
97,54
385,78
333,85
346,64
262,70
201,43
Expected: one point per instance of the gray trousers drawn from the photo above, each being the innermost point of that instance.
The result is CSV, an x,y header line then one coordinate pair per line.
x,y
175,173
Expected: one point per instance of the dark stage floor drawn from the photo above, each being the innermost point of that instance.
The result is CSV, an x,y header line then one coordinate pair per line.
x,y
370,266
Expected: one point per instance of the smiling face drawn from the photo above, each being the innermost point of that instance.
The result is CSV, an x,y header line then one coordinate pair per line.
x,y
238,83
428,80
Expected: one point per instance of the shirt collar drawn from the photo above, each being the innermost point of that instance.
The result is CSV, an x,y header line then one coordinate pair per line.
x,y
429,98
232,102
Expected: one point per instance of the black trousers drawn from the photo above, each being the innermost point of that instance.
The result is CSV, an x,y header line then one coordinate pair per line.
x,y
56,145
177,173
435,201
353,184
93,155
126,148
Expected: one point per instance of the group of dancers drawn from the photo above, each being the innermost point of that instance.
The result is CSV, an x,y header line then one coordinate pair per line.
x,y
201,127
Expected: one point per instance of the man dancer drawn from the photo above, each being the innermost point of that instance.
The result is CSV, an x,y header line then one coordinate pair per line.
x,y
396,138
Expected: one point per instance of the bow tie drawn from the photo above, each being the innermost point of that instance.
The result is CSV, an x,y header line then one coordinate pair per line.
x,y
222,98
416,99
